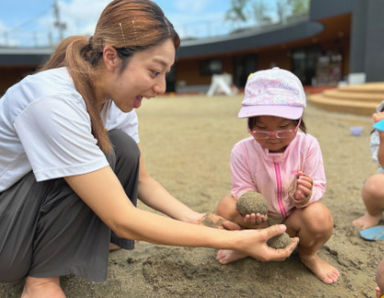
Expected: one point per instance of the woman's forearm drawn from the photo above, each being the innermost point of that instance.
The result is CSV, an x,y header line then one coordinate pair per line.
x,y
103,193
150,227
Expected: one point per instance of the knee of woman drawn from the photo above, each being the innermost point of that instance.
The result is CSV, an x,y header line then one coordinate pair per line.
x,y
12,271
123,145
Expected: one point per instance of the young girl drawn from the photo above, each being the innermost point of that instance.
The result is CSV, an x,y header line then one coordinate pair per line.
x,y
284,165
373,192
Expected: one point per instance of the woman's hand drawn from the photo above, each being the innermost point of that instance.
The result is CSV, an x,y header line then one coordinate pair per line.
x,y
302,191
255,244
215,221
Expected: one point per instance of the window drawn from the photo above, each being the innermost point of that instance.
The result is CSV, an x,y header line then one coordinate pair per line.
x,y
210,67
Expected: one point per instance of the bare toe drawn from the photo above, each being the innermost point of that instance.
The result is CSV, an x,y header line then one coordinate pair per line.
x,y
225,256
323,270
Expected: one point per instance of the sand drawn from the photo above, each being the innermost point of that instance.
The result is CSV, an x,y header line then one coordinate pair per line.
x,y
187,141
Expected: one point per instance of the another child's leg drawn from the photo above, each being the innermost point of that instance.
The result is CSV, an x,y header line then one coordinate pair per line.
x,y
313,225
227,209
373,198
380,279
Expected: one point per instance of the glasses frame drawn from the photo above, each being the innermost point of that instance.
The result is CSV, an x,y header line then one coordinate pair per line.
x,y
268,134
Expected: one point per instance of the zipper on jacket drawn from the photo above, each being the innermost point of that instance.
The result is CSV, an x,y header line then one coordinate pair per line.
x,y
279,190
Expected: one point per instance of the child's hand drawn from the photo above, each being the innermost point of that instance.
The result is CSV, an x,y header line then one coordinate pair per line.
x,y
255,221
376,117
303,190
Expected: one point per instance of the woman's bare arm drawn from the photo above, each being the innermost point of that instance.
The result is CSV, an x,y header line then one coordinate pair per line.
x,y
103,193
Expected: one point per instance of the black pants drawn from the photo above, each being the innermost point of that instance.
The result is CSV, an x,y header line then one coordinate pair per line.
x,y
46,230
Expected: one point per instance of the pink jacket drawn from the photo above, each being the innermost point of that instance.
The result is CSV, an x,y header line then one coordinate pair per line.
x,y
271,174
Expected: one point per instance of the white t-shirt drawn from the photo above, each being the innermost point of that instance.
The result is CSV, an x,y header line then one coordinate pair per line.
x,y
45,127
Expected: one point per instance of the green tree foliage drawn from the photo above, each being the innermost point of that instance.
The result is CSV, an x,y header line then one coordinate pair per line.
x,y
299,6
237,11
261,12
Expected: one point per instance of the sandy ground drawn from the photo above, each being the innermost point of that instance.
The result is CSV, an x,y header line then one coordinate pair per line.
x,y
187,142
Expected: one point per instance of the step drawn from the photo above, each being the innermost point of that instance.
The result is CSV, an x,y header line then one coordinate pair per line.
x,y
343,106
347,94
368,87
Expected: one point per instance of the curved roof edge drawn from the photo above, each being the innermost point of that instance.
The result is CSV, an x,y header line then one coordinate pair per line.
x,y
23,56
249,39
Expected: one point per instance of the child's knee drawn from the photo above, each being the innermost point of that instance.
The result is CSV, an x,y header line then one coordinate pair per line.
x,y
319,219
373,186
226,206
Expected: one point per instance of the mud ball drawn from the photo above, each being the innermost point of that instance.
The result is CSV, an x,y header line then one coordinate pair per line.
x,y
279,241
252,202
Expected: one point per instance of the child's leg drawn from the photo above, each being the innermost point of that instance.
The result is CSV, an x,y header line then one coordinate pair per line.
x,y
313,225
380,279
227,209
373,198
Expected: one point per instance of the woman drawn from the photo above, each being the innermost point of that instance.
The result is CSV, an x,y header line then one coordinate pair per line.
x,y
66,183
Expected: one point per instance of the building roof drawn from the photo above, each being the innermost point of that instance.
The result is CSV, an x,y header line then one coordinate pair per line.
x,y
23,56
249,39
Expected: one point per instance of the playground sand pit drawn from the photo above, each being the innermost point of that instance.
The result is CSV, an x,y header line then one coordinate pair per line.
x,y
186,143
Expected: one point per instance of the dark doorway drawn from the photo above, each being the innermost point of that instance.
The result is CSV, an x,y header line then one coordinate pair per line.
x,y
243,66
304,63
171,81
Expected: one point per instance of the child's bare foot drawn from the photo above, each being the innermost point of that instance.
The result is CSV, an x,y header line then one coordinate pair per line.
x,y
225,256
324,271
366,221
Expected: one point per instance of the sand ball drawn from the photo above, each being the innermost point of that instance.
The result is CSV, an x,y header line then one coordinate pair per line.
x,y
279,241
252,202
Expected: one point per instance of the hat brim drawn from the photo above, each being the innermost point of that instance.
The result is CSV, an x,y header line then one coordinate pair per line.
x,y
289,112
379,125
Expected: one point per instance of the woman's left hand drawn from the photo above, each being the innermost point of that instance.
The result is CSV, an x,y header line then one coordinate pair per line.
x,y
215,221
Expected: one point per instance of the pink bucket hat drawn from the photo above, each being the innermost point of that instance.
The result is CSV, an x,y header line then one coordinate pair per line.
x,y
273,92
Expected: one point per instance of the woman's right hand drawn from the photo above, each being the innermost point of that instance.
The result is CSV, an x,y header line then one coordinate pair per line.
x,y
254,244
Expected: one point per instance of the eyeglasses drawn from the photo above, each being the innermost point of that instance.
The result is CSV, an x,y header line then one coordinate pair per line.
x,y
279,134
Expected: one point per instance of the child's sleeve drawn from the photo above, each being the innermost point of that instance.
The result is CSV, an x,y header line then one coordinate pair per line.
x,y
241,173
314,167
